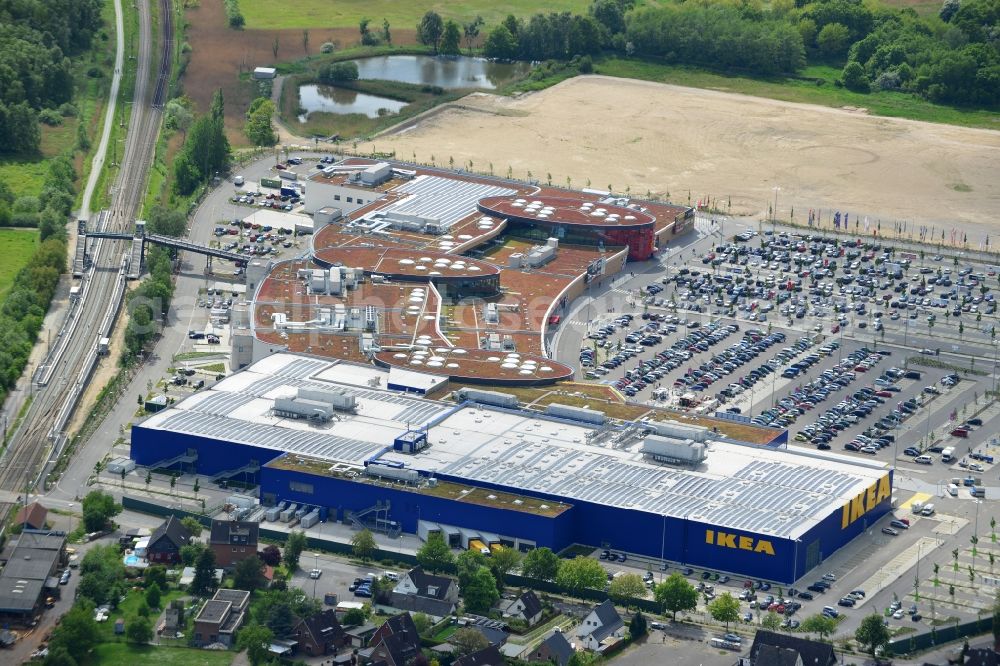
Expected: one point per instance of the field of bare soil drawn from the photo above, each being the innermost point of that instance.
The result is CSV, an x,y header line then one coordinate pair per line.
x,y
686,142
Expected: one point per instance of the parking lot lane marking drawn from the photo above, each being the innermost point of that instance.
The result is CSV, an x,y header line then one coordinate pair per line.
x,y
917,497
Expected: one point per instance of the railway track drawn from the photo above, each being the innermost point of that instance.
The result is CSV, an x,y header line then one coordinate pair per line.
x,y
40,436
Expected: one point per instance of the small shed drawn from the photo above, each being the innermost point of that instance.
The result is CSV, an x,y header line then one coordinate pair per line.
x,y
156,403
119,626
264,73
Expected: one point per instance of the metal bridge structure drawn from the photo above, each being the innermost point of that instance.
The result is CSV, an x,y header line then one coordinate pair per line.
x,y
139,239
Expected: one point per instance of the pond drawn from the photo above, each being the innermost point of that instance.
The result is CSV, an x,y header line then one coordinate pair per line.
x,y
329,99
457,72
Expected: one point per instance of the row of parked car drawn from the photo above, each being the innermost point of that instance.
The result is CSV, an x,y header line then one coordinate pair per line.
x,y
805,398
652,370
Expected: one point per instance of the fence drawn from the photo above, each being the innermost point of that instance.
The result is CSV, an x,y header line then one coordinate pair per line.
x,y
940,636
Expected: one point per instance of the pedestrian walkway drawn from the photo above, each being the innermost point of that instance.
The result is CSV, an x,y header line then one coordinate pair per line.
x,y
897,566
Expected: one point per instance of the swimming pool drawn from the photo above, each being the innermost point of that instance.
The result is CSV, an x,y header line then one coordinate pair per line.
x,y
132,560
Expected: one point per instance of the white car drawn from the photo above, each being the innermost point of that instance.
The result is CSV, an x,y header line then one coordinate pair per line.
x,y
315,573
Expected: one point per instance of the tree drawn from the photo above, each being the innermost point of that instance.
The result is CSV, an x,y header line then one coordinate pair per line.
x,y
626,587
435,555
386,34
676,594
873,634
501,45
59,656
270,556
502,562
771,621
581,573
155,574
367,37
540,563
833,39
467,564
294,546
153,595
819,624
204,573
192,525
948,9
256,640
354,617
637,626
422,622
139,630
77,632
277,609
480,591
451,40
258,127
190,553
274,47
467,640
363,545
725,608
430,30
98,508
854,78
249,574
305,41
471,30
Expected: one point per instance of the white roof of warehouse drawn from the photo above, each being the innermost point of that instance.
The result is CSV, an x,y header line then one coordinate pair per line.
x,y
756,489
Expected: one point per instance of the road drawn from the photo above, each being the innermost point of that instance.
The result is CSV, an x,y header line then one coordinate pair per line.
x,y
102,149
27,455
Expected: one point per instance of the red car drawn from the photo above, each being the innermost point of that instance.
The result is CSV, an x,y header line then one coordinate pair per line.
x,y
884,394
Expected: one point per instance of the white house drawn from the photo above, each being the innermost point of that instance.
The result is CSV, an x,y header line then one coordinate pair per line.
x,y
603,626
526,608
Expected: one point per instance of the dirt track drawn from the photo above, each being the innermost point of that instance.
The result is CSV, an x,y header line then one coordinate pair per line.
x,y
669,139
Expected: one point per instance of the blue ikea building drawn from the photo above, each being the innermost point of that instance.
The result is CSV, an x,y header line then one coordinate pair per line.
x,y
522,479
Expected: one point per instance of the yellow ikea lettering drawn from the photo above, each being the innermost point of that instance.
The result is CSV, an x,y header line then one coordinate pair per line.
x,y
865,501
739,542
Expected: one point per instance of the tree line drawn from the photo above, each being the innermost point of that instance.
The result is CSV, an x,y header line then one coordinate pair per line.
x,y
951,58
205,151
37,40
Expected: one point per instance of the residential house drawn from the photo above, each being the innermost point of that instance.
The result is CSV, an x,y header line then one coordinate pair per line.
x,y
420,592
526,608
320,634
396,642
220,617
165,543
602,627
233,541
553,650
486,657
770,647
32,516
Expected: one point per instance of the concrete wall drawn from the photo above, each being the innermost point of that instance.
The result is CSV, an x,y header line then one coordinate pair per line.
x,y
319,195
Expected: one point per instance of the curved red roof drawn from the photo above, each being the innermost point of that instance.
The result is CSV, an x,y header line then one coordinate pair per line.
x,y
564,210
402,262
478,366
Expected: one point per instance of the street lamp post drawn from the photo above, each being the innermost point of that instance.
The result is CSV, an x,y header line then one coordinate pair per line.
x,y
774,213
315,566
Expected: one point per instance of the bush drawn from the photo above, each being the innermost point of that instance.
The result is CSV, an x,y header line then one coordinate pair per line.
x,y
50,117
338,72
327,47
855,79
586,65
95,72
67,110
233,14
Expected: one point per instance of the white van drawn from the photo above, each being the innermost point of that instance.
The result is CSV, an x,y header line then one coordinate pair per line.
x,y
953,489
238,180
928,510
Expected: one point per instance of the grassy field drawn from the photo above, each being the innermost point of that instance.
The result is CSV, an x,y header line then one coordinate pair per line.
x,y
805,90
16,247
347,13
121,654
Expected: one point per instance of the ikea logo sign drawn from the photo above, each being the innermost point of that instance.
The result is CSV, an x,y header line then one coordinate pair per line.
x,y
865,501
727,540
